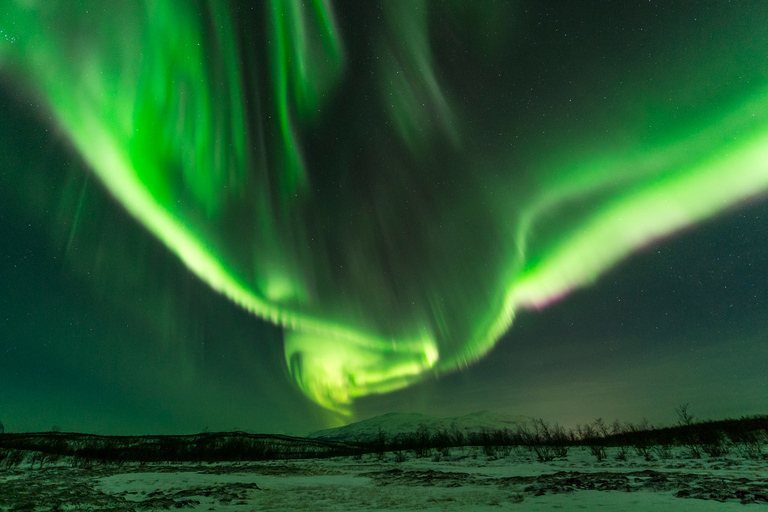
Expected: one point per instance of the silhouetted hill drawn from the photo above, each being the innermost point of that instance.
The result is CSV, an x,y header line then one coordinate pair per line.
x,y
394,424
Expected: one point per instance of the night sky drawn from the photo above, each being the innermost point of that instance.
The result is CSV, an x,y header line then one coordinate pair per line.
x,y
285,215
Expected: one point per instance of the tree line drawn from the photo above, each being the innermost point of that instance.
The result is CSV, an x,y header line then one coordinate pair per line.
x,y
539,439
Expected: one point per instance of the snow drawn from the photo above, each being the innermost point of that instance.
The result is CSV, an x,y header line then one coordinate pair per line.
x,y
464,480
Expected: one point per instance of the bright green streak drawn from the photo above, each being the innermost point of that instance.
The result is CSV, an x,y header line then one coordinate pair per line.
x,y
375,295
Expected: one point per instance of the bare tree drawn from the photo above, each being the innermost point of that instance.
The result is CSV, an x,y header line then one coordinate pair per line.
x,y
688,437
380,443
601,427
684,416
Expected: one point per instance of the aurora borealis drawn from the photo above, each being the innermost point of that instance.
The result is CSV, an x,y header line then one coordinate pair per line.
x,y
395,185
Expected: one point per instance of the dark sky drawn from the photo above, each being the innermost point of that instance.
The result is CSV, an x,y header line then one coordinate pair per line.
x,y
683,321
430,169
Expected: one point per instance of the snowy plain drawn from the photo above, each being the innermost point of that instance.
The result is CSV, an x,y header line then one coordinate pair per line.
x,y
463,479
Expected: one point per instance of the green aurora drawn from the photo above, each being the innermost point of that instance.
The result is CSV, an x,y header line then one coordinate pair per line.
x,y
394,204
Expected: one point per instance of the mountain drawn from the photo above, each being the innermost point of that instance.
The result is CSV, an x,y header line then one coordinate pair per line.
x,y
395,423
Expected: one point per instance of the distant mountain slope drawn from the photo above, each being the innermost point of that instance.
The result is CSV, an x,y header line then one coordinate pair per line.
x,y
394,423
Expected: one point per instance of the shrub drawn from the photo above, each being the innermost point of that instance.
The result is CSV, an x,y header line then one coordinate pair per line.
x,y
750,444
14,458
643,449
663,451
714,443
598,450
544,441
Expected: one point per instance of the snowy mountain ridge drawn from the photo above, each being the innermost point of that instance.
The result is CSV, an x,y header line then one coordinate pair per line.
x,y
395,423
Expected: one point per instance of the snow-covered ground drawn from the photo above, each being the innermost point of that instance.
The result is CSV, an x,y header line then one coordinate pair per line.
x,y
466,479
